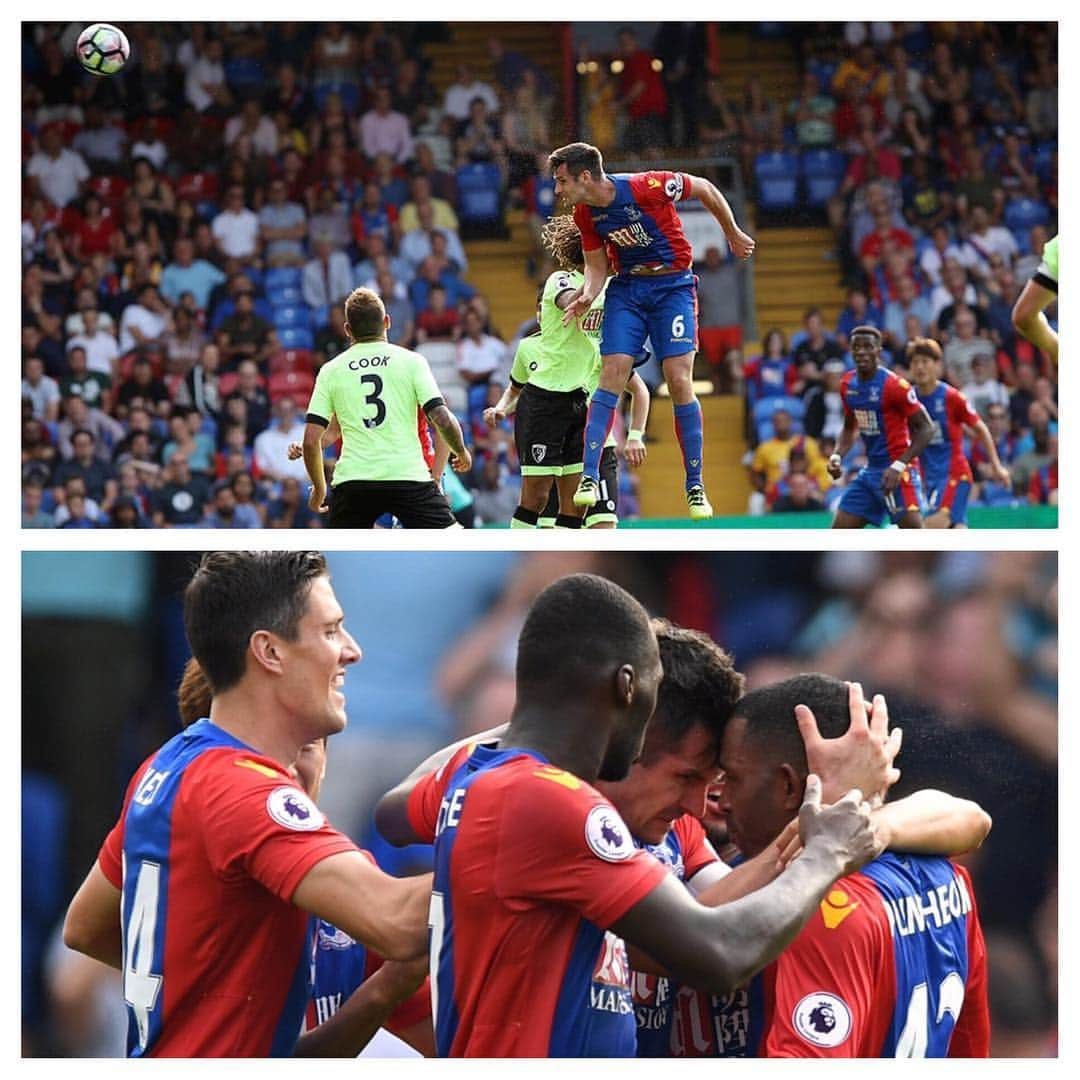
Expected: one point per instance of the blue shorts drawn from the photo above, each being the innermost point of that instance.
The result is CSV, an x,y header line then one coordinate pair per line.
x,y
865,499
943,493
663,309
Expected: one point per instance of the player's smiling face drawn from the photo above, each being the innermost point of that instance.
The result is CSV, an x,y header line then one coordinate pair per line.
x,y
865,351
753,793
315,663
667,783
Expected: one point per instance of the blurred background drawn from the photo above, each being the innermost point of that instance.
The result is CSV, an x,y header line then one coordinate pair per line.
x,y
191,225
964,644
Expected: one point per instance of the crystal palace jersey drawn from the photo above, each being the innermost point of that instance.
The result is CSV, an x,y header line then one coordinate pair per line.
x,y
640,229
532,865
892,964
881,405
338,967
687,854
950,412
211,844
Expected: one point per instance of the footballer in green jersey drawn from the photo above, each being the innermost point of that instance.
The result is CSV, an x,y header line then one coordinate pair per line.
x,y
1039,293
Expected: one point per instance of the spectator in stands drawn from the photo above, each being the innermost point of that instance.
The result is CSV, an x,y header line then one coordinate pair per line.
x,y
330,219
78,511
928,199
336,55
722,294
78,416
478,138
955,290
824,417
402,315
770,459
771,374
101,145
45,312
383,130
643,97
811,114
186,274
251,122
204,85
480,355
964,344
885,237
989,240
282,227
1043,487
182,344
246,335
290,510
858,311
426,239
96,474
56,172
145,322
438,321
236,228
42,391
328,276
718,123
154,194
94,387
34,516
464,90
427,274
1041,103
143,386
984,391
243,485
225,513
331,339
272,444
187,437
907,304
813,351
253,396
797,494
102,352
373,218
180,500
976,187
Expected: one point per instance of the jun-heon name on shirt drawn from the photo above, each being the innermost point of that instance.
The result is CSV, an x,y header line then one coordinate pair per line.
x,y
909,914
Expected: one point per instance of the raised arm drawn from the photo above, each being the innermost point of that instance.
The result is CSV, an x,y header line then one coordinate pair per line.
x,y
931,822
742,244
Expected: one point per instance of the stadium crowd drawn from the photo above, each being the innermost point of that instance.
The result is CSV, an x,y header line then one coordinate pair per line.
x,y
942,146
191,227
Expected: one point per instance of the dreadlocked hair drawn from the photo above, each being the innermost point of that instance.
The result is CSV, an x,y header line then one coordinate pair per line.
x,y
562,238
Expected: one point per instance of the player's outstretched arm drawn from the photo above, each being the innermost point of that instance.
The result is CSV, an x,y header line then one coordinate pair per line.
x,y
446,423
354,1025
92,923
507,403
983,434
843,446
718,949
742,244
932,822
386,913
391,815
313,462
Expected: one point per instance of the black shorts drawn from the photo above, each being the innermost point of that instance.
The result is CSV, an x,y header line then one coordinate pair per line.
x,y
417,504
549,431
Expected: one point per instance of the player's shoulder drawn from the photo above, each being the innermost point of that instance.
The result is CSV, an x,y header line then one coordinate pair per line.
x,y
688,831
239,765
561,280
850,917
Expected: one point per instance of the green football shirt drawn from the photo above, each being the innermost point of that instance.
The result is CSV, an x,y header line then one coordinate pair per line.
x,y
1049,265
567,354
374,389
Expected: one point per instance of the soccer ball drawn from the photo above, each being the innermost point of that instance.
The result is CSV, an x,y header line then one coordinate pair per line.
x,y
102,49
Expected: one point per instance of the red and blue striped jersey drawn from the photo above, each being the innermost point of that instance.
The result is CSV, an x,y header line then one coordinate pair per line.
x,y
881,406
893,964
532,865
640,229
212,841
950,412
339,965
687,854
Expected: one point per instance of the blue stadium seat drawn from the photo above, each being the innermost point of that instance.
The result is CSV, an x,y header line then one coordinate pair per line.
x,y
822,172
1044,160
296,337
479,188
1023,214
320,316
348,92
764,409
244,75
281,277
287,317
777,176
263,308
285,295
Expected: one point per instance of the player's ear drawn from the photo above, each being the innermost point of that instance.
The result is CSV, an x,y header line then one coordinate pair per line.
x,y
793,786
386,321
266,648
625,684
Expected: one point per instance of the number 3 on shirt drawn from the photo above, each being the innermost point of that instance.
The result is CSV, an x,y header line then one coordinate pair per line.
x,y
141,985
915,1037
373,398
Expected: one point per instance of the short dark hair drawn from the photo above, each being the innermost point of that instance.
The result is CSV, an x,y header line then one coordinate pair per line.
x,y
770,715
873,331
232,594
576,628
700,687
365,314
577,157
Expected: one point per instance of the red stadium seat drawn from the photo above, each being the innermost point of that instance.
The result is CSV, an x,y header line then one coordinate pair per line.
x,y
198,187
227,383
292,360
295,384
110,189
126,364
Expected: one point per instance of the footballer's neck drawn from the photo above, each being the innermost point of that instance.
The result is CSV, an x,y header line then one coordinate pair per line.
x,y
601,192
257,719
567,735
